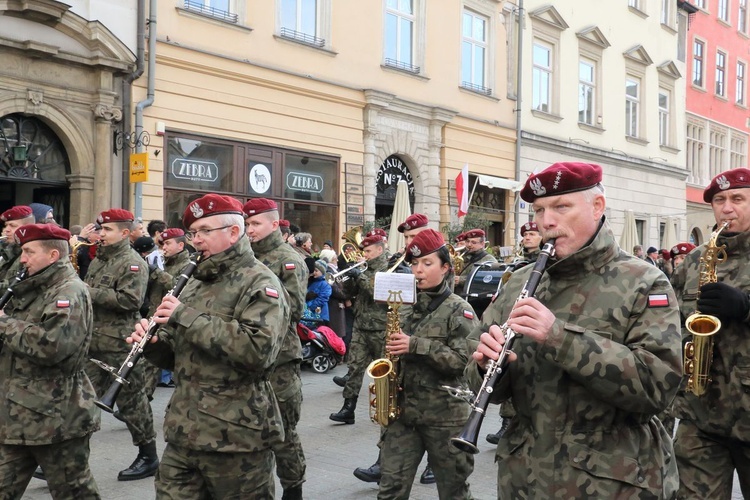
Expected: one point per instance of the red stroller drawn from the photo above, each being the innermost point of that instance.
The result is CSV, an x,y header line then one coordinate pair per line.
x,y
321,347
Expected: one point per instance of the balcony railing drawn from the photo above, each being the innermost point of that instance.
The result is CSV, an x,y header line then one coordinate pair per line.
x,y
476,88
302,37
392,63
206,10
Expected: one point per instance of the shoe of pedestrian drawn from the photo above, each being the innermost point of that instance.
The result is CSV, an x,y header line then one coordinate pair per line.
x,y
39,473
427,476
341,381
118,416
346,414
145,464
293,493
370,475
494,438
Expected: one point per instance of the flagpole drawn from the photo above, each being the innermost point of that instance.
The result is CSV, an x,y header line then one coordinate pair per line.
x,y
471,195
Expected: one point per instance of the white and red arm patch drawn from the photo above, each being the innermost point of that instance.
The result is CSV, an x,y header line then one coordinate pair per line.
x,y
135,268
63,304
272,292
658,300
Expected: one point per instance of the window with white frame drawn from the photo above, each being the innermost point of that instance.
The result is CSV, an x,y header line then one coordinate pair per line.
x,y
400,25
632,106
742,17
695,138
701,4
699,49
474,52
737,153
721,70
664,135
740,89
666,12
717,150
723,10
305,21
541,81
220,9
586,91
636,4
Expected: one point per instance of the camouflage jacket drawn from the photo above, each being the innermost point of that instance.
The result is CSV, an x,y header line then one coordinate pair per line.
x,y
47,397
438,325
10,264
163,280
368,314
724,408
587,397
291,269
221,342
469,261
117,280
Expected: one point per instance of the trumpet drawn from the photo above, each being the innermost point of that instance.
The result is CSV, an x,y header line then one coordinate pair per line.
x,y
341,276
467,439
107,401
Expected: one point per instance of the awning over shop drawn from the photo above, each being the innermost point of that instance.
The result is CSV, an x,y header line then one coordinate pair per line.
x,y
498,182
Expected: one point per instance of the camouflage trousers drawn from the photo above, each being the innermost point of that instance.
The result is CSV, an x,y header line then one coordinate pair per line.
x,y
204,475
151,376
507,410
366,345
707,462
65,465
132,403
402,448
290,458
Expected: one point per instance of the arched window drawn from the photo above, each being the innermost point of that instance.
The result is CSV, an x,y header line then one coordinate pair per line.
x,y
30,151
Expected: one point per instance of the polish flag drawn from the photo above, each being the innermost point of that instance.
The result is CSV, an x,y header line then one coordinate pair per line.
x,y
462,191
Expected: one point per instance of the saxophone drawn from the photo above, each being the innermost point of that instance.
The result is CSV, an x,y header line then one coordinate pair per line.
x,y
699,351
384,372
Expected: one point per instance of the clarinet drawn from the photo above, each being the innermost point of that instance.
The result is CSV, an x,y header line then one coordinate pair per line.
x,y
467,439
107,401
9,292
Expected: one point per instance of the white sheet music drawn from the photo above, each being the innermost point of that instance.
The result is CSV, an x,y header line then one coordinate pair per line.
x,y
392,285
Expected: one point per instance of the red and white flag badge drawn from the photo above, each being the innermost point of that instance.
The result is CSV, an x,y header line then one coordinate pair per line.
x,y
468,314
62,304
272,292
658,300
135,268
290,266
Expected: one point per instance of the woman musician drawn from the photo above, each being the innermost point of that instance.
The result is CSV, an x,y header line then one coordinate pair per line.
x,y
433,352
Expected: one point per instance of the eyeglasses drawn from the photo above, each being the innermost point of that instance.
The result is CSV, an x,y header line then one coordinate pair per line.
x,y
205,232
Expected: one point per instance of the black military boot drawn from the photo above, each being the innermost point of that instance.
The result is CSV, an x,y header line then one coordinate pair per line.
x,y
145,464
341,381
428,477
39,473
370,475
293,493
495,438
346,414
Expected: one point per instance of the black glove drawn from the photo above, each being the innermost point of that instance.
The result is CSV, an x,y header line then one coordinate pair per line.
x,y
311,296
723,301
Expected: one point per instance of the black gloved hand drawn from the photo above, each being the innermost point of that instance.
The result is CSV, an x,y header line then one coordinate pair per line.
x,y
310,296
723,301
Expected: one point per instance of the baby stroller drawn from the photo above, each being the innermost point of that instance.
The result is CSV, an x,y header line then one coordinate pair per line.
x,y
321,347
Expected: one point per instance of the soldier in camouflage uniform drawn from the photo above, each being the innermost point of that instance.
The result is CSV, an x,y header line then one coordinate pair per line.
x,y
433,352
221,337
368,334
598,358
475,254
10,251
713,434
48,412
117,280
262,228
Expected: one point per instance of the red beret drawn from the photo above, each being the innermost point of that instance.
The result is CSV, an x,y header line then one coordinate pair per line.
x,y
17,212
731,179
561,178
258,206
474,233
283,223
414,221
115,215
665,254
682,249
376,231
208,205
371,240
424,243
33,232
460,237
172,232
529,226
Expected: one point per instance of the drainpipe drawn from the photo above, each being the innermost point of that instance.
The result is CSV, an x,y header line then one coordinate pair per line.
x,y
139,148
519,89
127,96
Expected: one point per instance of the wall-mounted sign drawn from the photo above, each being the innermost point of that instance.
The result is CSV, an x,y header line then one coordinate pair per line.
x,y
260,178
392,170
304,182
195,170
139,167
